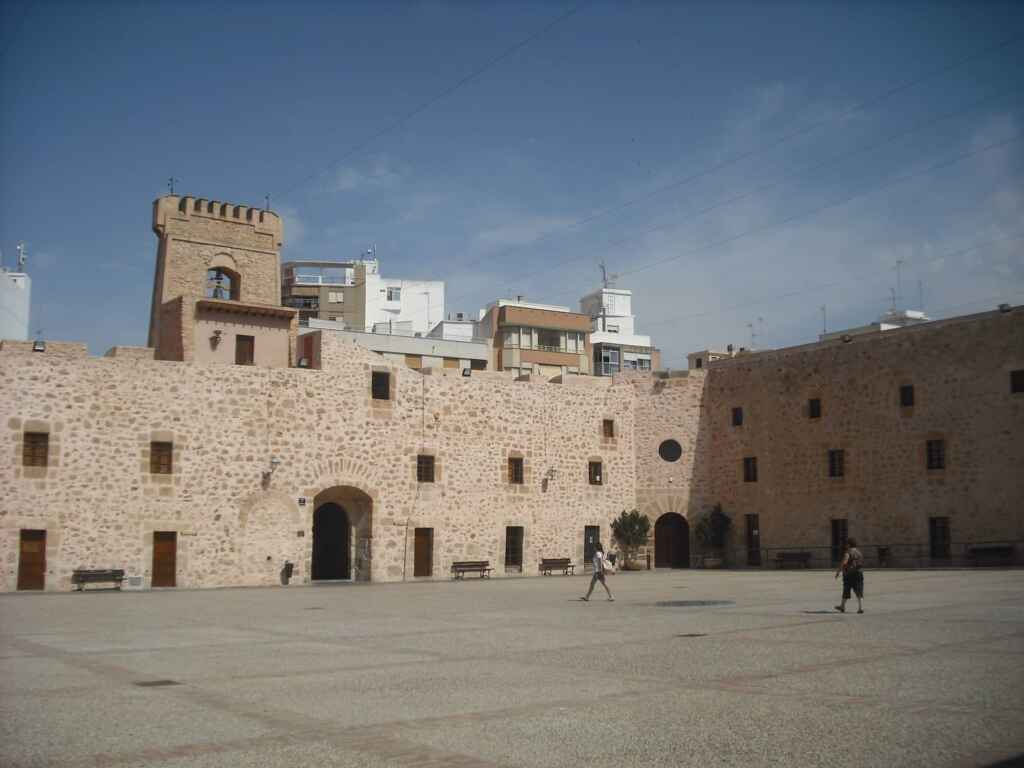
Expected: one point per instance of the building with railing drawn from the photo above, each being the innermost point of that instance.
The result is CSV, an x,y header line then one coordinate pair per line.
x,y
544,339
616,345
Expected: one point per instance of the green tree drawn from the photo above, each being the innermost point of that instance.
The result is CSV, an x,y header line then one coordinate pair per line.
x,y
631,530
713,528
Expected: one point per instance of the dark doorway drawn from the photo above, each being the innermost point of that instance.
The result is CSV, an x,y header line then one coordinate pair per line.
x,y
423,553
32,560
753,540
332,543
839,529
671,541
165,559
514,548
938,538
591,535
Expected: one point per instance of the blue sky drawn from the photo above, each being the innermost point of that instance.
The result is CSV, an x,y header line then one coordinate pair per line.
x,y
737,162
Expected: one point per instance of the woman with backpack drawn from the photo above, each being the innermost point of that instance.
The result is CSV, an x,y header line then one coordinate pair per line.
x,y
852,568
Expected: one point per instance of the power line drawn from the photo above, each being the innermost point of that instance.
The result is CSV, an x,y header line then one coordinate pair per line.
x,y
397,123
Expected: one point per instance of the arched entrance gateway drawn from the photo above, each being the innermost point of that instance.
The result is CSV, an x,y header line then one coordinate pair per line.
x,y
671,541
341,535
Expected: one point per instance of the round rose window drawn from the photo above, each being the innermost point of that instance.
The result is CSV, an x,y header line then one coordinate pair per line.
x,y
670,450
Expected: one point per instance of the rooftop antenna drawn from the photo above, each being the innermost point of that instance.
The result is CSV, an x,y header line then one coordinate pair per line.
x,y
266,198
824,319
920,295
892,292
899,281
170,183
608,281
753,334
22,256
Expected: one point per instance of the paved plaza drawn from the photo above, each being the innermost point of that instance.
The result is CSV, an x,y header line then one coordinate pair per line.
x,y
519,672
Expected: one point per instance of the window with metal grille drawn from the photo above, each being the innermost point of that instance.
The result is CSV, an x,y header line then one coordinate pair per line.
x,y
907,395
515,470
1017,381
836,462
595,473
609,428
380,385
936,451
425,469
245,350
161,460
35,449
814,408
737,417
750,469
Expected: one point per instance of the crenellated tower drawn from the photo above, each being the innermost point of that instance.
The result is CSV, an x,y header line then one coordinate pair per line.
x,y
217,289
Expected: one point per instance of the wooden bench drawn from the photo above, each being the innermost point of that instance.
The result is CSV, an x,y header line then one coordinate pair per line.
x,y
990,554
82,576
460,569
793,558
563,564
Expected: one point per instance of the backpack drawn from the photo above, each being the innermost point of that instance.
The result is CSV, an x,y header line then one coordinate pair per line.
x,y
855,562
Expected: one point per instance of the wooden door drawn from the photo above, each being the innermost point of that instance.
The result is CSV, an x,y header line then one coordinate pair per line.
x,y
32,560
165,558
423,552
753,540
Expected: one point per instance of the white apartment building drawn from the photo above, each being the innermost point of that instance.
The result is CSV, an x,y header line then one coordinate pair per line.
x,y
15,299
616,344
355,294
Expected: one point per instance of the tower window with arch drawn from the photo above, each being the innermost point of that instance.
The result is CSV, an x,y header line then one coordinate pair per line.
x,y
223,283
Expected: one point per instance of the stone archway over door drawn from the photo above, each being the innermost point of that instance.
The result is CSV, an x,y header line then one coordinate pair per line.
x,y
332,543
342,526
671,541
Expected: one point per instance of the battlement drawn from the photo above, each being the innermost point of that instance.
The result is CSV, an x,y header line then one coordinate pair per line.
x,y
183,208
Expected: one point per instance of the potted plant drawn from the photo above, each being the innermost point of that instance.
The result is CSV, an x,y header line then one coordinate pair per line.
x,y
712,531
631,530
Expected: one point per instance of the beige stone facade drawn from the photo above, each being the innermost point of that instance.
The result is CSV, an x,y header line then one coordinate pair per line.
x,y
247,467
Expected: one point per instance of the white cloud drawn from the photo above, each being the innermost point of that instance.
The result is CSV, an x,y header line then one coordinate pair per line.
x,y
294,226
378,172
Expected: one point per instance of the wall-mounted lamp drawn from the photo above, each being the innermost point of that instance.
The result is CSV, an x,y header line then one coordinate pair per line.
x,y
38,345
551,473
215,338
267,474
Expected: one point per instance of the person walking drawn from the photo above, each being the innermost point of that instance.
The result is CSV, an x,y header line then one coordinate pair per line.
x,y
597,561
852,568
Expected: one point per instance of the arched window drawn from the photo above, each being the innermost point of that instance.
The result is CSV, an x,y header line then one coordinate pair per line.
x,y
222,283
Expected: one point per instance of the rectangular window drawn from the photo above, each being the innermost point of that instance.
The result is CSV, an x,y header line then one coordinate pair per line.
x,y
1017,381
394,294
512,337
938,538
936,451
35,449
608,428
161,461
836,462
380,385
750,469
907,395
424,469
612,329
515,470
595,473
514,548
737,417
839,531
700,362
814,408
245,350
550,341
336,297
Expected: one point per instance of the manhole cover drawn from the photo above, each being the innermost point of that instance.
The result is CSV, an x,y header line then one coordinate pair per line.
x,y
156,683
693,603
694,634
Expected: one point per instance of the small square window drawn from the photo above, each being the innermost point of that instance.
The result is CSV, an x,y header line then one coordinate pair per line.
x,y
836,462
515,470
595,473
394,294
737,417
609,428
750,469
907,396
1017,381
936,452
35,449
700,362
380,385
161,461
424,469
814,408
245,350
